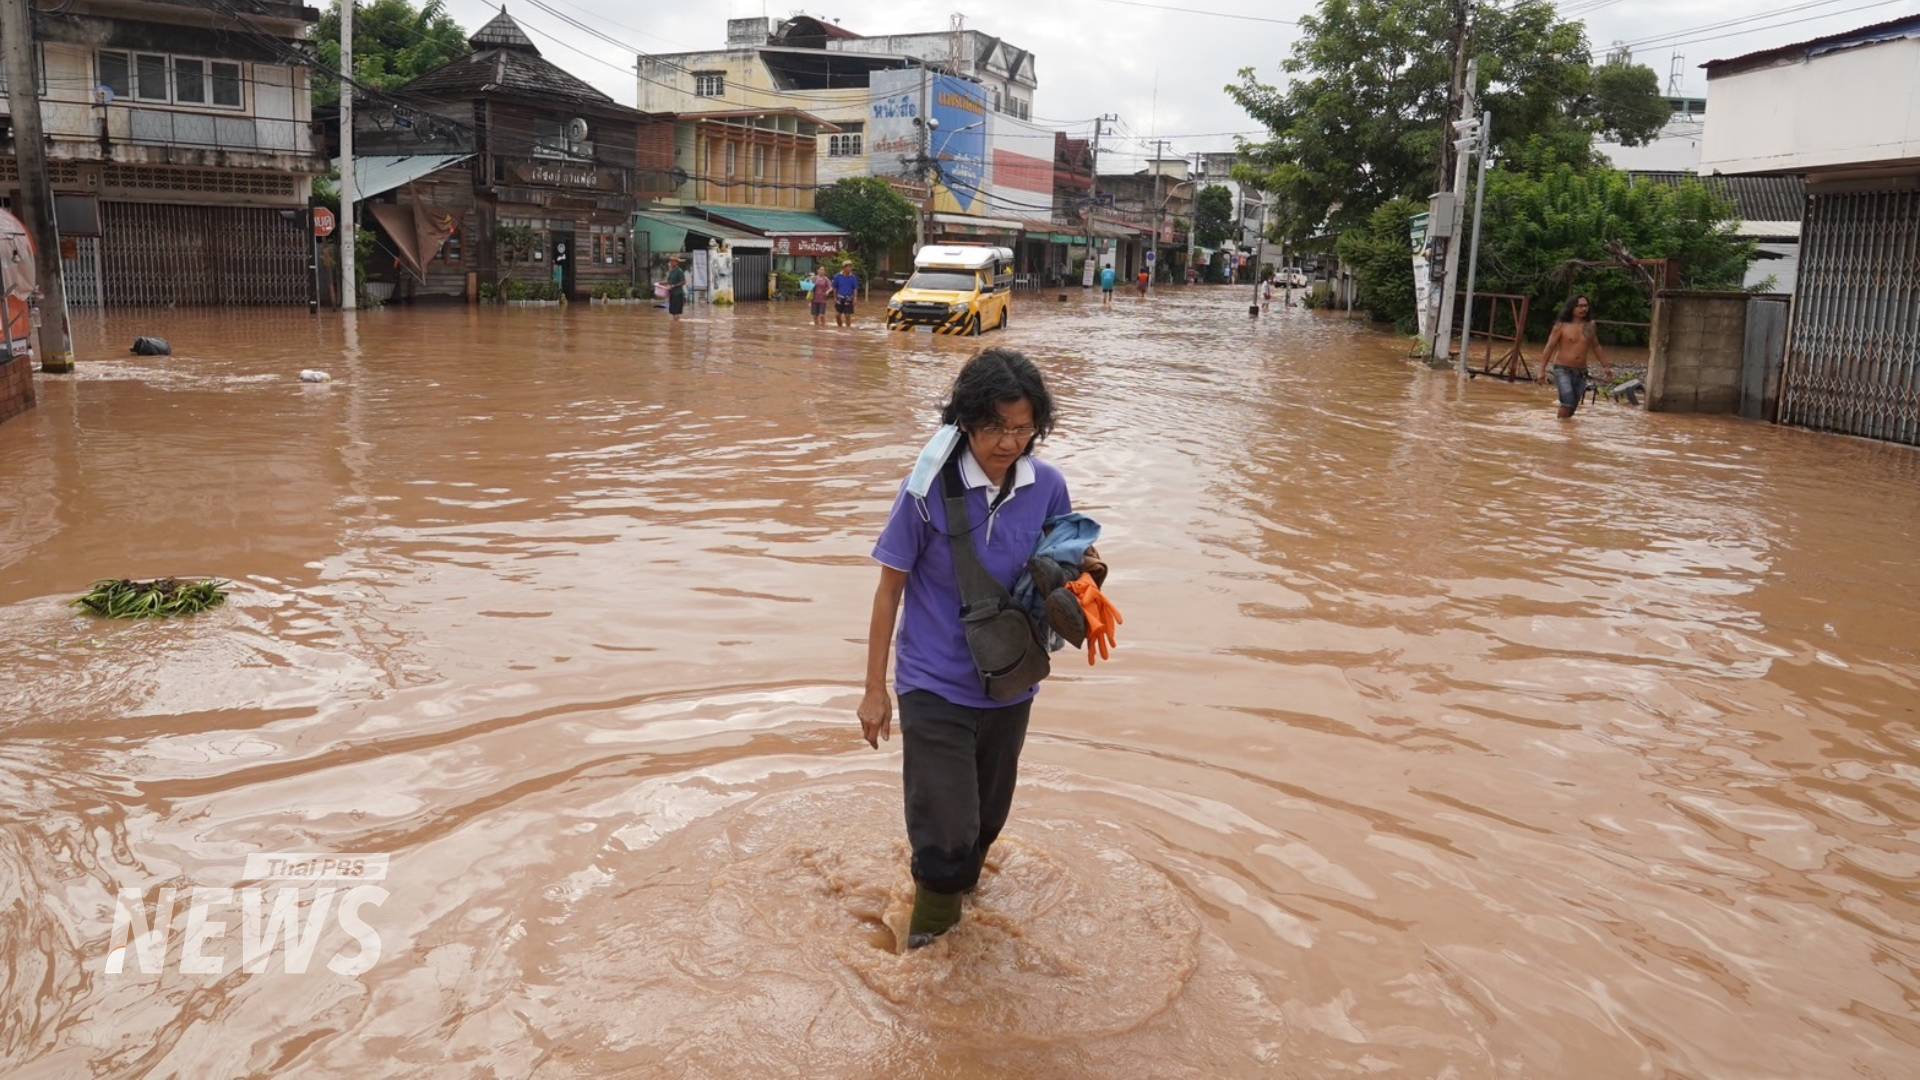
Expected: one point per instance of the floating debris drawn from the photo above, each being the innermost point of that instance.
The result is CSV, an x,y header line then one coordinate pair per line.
x,y
165,598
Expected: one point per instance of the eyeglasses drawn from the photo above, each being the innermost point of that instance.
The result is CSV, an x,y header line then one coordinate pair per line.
x,y
999,433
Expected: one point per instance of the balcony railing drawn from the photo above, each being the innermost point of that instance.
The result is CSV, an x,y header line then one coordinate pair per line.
x,y
137,126
211,131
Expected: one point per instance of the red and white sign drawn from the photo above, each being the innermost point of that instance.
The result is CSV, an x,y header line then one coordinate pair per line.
x,y
322,222
816,245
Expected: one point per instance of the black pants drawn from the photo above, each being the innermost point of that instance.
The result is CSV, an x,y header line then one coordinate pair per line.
x,y
960,768
676,301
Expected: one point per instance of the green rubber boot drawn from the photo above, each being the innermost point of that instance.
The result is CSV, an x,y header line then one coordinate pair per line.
x,y
933,914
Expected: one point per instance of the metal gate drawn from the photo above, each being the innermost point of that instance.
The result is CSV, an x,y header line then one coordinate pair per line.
x,y
155,253
750,270
82,273
1853,360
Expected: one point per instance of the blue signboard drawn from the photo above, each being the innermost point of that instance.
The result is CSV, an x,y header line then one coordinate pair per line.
x,y
960,143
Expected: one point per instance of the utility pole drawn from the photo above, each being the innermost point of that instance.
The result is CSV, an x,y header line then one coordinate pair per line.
x,y
926,175
349,191
1461,10
1473,257
1193,219
36,188
1463,131
1093,196
1259,245
1159,212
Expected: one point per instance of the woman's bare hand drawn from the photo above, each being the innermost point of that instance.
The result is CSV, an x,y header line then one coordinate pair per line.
x,y
876,716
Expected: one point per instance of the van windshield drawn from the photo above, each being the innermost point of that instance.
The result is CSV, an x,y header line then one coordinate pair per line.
x,y
942,280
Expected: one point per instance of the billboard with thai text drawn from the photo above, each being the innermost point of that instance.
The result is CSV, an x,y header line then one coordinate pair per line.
x,y
961,112
893,139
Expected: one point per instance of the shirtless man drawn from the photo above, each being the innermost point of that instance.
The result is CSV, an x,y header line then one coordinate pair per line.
x,y
1573,345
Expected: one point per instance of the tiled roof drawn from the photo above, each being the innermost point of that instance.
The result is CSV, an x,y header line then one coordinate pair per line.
x,y
504,71
1759,198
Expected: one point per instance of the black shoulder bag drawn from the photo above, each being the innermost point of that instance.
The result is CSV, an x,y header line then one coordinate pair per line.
x,y
1009,648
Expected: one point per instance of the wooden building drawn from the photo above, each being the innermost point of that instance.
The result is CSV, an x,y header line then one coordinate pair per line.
x,y
501,167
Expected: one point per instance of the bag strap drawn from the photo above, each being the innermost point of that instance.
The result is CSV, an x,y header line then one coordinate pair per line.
x,y
977,587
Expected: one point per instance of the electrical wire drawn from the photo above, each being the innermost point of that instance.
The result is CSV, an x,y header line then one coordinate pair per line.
x,y
1775,26
1210,14
1750,17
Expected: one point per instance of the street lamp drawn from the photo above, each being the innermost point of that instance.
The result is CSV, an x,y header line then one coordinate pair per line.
x,y
935,124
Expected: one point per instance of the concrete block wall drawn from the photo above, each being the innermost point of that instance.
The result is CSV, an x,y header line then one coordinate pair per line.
x,y
16,386
1699,345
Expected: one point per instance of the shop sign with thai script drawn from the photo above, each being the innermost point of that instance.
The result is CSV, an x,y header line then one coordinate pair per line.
x,y
562,175
824,244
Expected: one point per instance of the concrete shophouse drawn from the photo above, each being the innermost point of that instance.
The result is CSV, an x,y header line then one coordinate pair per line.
x,y
1853,344
744,181
501,166
828,72
1151,211
180,150
1249,202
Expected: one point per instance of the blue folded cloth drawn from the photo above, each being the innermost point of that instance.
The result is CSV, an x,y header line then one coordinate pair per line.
x,y
1064,539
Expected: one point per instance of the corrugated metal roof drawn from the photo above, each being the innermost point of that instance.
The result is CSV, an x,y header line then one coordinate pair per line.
x,y
667,231
1758,198
773,222
374,173
1891,30
732,234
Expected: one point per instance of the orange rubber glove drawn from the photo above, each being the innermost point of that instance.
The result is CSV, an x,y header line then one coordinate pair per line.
x,y
1101,615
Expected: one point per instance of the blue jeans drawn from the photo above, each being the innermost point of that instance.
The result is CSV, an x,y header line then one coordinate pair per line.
x,y
1572,383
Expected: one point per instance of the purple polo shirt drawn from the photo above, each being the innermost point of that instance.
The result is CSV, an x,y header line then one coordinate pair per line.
x,y
931,651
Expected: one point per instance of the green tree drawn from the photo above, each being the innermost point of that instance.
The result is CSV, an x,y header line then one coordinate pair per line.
x,y
393,44
1361,118
1212,216
877,218
1539,227
1380,253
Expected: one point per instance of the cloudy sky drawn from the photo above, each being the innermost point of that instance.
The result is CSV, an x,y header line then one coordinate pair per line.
x,y
1161,70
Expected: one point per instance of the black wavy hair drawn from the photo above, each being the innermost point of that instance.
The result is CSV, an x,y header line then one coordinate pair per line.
x,y
995,377
1566,313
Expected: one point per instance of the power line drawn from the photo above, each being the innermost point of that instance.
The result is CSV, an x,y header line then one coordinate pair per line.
x,y
1775,26
623,26
1750,17
1210,14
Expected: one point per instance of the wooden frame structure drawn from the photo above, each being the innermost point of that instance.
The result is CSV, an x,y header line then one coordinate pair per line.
x,y
1511,363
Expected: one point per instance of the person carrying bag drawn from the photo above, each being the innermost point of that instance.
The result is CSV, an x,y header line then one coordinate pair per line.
x,y
969,658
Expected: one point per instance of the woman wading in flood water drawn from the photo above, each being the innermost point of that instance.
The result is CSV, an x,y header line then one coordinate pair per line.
x,y
966,684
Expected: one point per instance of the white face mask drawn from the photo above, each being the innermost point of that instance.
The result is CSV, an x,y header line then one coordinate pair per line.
x,y
932,457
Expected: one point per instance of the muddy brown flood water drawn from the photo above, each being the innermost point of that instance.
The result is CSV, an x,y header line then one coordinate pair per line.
x,y
1443,739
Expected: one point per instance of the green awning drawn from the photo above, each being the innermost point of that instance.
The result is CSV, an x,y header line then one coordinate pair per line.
x,y
774,222
1063,238
665,232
